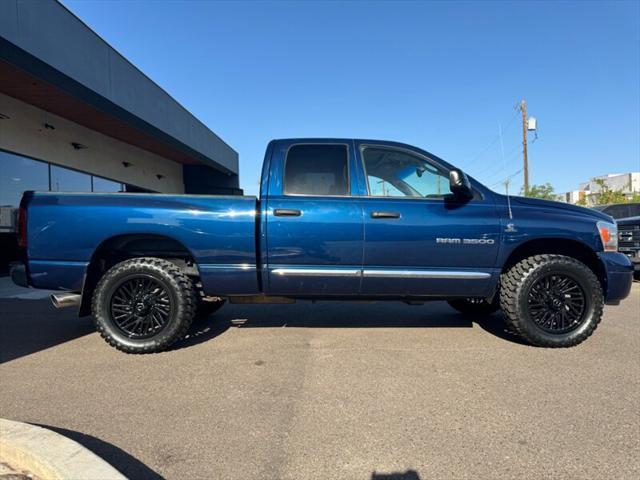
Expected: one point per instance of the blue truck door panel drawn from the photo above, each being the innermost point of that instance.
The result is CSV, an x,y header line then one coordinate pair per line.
x,y
426,246
313,243
402,255
318,252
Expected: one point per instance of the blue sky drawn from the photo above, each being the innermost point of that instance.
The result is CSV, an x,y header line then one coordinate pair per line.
x,y
440,75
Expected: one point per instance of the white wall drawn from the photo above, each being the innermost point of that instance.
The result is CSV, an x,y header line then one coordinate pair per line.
x,y
625,182
24,133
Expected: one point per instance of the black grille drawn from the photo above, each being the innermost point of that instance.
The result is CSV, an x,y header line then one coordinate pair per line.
x,y
628,237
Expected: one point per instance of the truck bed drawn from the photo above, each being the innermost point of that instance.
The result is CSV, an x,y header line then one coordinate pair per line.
x,y
66,229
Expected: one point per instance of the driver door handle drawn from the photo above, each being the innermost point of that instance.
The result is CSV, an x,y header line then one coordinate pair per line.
x,y
381,214
287,212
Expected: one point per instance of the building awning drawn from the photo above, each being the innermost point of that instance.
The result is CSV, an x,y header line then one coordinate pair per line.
x,y
52,60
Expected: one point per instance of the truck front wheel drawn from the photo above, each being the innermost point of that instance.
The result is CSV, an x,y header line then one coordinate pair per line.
x,y
551,300
143,305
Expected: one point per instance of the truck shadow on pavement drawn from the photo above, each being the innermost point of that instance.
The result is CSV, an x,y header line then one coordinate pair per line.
x,y
408,475
29,326
125,463
306,314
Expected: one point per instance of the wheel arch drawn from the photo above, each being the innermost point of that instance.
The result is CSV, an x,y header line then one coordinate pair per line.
x,y
559,246
118,248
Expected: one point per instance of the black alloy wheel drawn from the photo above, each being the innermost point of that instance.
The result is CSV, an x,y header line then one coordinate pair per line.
x,y
551,300
141,306
144,305
557,303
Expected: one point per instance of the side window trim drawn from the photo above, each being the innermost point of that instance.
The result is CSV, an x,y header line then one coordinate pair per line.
x,y
348,164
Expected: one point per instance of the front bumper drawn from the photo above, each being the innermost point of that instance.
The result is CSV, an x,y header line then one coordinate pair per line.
x,y
19,275
634,256
618,276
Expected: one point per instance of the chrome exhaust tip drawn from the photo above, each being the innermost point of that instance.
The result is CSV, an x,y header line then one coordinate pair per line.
x,y
64,300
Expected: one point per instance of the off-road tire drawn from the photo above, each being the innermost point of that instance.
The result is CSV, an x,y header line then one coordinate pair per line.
x,y
180,291
206,309
516,283
474,306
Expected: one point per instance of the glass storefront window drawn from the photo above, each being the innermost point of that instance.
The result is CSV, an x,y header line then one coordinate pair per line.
x,y
18,174
65,180
106,186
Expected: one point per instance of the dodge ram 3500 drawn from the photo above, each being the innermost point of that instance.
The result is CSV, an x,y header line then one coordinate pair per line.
x,y
337,219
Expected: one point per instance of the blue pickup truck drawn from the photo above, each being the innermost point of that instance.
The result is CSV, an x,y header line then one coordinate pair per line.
x,y
337,219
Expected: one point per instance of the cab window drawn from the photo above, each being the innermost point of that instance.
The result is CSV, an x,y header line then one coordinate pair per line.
x,y
316,170
395,173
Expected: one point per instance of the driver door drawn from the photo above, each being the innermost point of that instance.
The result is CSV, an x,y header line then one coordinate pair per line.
x,y
420,240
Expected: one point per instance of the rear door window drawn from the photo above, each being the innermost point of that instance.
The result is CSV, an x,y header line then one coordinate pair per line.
x,y
317,170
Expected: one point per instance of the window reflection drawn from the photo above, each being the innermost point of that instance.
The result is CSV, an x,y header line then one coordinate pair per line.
x,y
65,180
105,186
18,174
395,173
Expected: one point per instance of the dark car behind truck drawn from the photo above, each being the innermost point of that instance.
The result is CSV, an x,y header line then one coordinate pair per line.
x,y
629,241
337,219
627,216
620,210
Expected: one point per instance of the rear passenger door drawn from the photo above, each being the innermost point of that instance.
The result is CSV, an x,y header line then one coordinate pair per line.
x,y
314,225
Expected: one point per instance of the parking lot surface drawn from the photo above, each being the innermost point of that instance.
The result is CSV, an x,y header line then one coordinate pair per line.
x,y
332,390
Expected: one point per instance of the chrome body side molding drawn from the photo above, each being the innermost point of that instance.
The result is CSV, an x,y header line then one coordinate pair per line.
x,y
443,274
318,271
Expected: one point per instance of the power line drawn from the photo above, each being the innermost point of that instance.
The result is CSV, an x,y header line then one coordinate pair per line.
x,y
491,171
504,165
495,139
498,173
507,178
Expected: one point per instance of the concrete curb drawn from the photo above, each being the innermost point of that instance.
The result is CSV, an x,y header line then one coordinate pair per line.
x,y
49,455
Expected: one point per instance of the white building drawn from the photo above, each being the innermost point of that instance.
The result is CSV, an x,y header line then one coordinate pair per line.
x,y
624,182
627,183
573,196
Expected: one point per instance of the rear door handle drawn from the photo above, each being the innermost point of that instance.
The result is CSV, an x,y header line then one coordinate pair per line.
x,y
287,212
385,215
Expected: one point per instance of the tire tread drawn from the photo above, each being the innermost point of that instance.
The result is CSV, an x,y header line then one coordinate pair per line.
x,y
510,290
185,289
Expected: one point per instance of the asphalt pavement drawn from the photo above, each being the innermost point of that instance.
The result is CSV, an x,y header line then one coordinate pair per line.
x,y
371,391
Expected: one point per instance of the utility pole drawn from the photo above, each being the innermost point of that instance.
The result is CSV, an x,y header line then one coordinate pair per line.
x,y
523,109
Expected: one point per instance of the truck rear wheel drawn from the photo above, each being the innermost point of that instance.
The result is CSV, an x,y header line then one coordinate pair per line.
x,y
551,300
143,305
474,306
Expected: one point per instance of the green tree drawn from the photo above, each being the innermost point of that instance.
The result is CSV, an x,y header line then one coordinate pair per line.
x,y
607,195
544,191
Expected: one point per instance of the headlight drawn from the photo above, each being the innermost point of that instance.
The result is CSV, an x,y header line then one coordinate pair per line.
x,y
608,235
